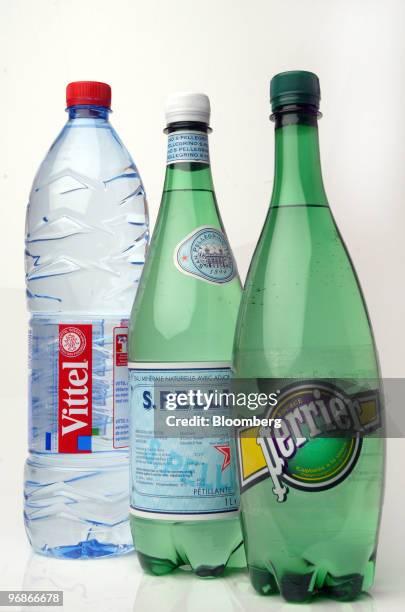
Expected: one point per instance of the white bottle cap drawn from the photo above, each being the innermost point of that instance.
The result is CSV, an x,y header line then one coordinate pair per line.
x,y
188,107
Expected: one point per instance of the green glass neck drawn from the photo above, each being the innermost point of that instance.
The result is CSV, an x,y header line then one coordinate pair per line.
x,y
188,175
298,175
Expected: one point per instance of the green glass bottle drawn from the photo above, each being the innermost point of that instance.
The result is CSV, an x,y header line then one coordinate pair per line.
x,y
184,495
310,503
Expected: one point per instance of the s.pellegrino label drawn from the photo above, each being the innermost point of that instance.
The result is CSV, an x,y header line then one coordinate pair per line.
x,y
187,146
180,475
83,367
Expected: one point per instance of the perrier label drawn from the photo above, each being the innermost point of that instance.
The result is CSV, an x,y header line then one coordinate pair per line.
x,y
319,440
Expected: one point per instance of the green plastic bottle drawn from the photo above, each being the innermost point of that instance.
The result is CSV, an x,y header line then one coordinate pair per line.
x,y
184,494
311,506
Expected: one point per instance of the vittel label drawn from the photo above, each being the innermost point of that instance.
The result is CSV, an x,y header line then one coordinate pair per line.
x,y
205,254
180,475
187,147
314,450
75,389
79,386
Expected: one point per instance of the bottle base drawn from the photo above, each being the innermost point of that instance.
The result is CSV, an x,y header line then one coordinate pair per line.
x,y
204,547
301,588
90,549
160,567
77,507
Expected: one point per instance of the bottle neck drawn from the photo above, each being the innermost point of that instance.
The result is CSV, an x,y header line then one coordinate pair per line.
x,y
298,175
188,162
86,111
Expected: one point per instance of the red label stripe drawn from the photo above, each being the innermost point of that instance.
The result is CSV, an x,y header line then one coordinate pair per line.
x,y
75,389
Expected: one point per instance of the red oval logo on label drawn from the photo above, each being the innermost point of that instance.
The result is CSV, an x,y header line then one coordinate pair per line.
x,y
72,342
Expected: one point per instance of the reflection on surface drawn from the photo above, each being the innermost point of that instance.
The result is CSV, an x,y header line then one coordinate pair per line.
x,y
181,591
118,585
101,585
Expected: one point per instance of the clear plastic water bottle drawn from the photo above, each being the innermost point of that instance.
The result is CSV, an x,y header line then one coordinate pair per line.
x,y
86,235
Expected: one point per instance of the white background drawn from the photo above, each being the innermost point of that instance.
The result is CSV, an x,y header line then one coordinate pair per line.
x,y
228,49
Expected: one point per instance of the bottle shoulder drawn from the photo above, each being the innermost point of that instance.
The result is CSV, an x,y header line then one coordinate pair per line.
x,y
86,226
95,152
189,293
302,302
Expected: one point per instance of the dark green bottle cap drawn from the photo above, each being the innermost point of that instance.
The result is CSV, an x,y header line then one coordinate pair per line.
x,y
294,87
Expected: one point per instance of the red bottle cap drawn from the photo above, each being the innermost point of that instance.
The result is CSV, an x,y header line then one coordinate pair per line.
x,y
88,92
